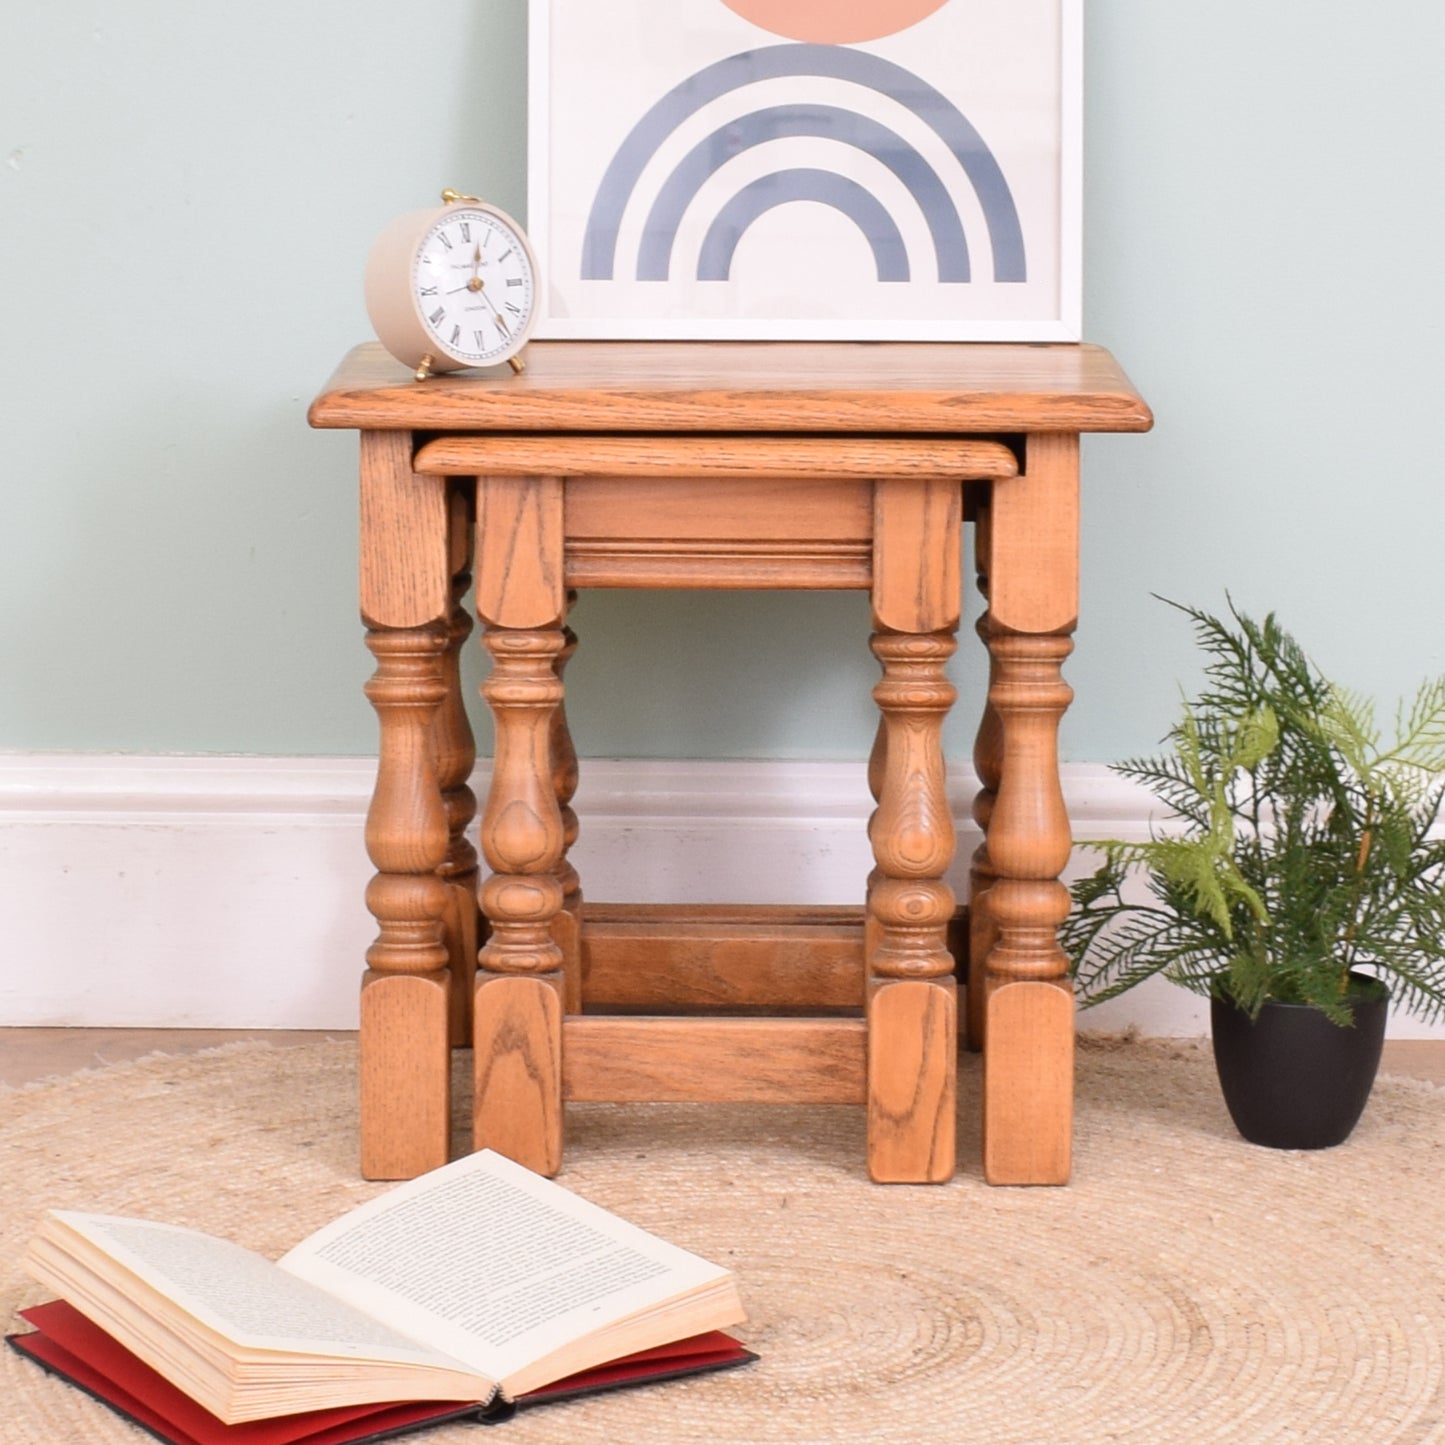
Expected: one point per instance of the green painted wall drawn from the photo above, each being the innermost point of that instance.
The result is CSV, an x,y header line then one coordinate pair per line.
x,y
187,194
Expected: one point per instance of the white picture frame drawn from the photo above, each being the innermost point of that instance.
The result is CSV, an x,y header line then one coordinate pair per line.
x,y
693,174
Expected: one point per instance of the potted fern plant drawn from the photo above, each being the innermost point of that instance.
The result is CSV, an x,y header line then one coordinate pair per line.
x,y
1299,883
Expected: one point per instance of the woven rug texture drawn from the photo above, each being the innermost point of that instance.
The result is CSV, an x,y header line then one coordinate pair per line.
x,y
1185,1287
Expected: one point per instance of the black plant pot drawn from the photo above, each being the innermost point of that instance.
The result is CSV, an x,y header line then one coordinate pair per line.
x,y
1291,1078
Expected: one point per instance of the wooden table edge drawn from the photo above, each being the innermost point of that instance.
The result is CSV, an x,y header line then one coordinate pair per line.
x,y
368,391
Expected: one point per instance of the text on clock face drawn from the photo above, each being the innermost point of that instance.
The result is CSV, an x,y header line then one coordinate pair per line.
x,y
473,285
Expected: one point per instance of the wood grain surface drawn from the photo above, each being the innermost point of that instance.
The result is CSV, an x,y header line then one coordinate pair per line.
x,y
722,464
751,386
714,1060
775,460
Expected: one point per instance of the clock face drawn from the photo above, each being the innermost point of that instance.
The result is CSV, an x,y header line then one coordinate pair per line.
x,y
474,285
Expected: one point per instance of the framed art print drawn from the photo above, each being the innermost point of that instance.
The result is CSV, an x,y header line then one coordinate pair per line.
x,y
807,169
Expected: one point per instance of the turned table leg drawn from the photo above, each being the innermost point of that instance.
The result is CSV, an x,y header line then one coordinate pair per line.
x,y
1028,1026
456,755
567,926
987,763
912,997
520,998
406,603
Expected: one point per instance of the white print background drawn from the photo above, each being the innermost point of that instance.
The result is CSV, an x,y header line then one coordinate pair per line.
x,y
803,267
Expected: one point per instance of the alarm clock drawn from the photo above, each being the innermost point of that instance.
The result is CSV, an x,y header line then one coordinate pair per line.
x,y
453,287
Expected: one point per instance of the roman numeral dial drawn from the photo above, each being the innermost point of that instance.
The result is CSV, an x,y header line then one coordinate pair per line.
x,y
474,280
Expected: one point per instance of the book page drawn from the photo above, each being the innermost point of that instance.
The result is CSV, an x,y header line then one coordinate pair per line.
x,y
240,1294
493,1264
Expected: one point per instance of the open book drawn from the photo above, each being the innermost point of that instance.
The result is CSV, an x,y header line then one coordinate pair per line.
x,y
479,1281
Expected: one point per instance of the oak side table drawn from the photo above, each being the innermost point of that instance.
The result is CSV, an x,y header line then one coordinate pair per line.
x,y
733,465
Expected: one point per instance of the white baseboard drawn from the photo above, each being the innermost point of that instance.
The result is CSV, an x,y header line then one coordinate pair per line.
x,y
226,892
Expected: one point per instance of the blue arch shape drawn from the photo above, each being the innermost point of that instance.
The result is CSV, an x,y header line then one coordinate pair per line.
x,y
677,191
599,248
864,209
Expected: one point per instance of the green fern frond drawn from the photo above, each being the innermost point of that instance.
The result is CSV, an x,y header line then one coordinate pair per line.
x,y
1297,848
1347,722
1420,730
1144,945
1195,873
1167,779
1258,737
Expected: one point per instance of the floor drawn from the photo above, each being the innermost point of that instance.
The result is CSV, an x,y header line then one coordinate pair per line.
x,y
29,1054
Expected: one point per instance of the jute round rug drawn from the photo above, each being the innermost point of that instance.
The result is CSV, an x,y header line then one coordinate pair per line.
x,y
1185,1287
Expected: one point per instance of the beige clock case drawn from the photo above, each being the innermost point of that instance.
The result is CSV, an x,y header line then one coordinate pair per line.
x,y
391,297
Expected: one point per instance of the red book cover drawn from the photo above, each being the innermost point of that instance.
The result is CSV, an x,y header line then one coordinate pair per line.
x,y
67,1344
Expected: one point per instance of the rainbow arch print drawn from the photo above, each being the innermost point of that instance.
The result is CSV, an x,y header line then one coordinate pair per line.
x,y
839,123
702,169
714,262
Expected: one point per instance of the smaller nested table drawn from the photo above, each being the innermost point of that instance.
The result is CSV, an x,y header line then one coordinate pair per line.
x,y
736,465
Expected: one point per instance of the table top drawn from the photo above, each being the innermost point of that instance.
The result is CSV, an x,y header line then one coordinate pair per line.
x,y
758,386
